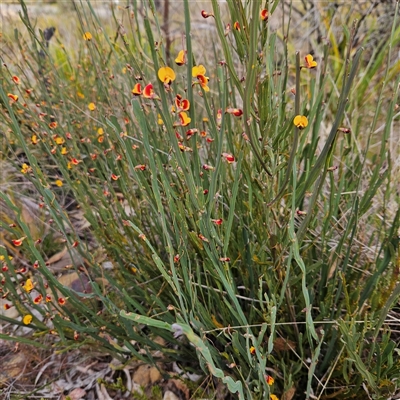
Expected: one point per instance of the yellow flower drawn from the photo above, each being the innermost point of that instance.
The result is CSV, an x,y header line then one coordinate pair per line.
x,y
87,36
166,75
58,183
64,151
310,63
25,168
27,319
273,397
198,70
34,139
59,140
184,119
181,59
100,131
300,121
28,286
91,106
80,95
159,120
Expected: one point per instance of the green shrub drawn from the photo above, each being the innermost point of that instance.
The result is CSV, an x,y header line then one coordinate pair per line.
x,y
267,240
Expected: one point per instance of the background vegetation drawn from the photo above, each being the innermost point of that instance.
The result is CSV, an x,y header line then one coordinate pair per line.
x,y
219,233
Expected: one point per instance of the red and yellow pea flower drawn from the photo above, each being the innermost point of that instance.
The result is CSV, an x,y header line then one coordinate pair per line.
x,y
190,133
264,15
203,81
183,148
229,158
13,97
236,26
148,92
61,301
38,299
181,104
218,221
137,90
184,119
16,80
181,59
269,379
198,70
75,161
166,75
237,112
300,121
18,242
310,63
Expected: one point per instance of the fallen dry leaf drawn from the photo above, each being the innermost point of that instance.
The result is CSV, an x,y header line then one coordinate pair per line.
x,y
146,375
12,366
77,394
281,344
289,394
179,388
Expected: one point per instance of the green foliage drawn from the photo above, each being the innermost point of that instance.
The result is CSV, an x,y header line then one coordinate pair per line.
x,y
271,249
